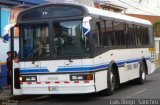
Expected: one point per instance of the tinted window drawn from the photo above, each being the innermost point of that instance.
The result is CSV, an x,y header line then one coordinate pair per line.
x,y
68,39
96,36
108,36
119,33
130,35
145,34
52,12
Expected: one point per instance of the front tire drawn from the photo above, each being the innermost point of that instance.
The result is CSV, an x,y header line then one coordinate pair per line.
x,y
111,81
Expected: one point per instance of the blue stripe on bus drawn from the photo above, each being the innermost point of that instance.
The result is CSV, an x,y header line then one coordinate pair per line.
x,y
95,68
26,71
91,68
78,69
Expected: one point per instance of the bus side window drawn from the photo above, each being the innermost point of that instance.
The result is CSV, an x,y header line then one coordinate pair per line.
x,y
108,36
95,30
119,28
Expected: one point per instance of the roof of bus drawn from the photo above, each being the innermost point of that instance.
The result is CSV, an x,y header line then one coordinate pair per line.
x,y
103,13
113,15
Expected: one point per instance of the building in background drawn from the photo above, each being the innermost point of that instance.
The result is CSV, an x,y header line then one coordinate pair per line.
x,y
109,6
9,10
84,2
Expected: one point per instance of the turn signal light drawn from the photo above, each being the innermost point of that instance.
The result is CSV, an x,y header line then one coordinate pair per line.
x,y
89,77
20,79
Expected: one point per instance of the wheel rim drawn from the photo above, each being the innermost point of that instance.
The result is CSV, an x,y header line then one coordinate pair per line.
x,y
143,75
112,81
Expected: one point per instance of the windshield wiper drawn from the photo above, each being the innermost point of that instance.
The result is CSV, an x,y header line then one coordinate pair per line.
x,y
36,51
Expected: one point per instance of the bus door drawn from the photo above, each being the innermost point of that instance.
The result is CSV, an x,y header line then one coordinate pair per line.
x,y
14,43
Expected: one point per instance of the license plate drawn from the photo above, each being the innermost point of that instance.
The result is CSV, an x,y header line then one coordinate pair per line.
x,y
53,88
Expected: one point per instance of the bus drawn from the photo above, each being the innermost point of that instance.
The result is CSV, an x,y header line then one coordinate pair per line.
x,y
77,49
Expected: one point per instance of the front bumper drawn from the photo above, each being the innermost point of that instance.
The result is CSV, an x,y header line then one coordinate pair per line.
x,y
58,89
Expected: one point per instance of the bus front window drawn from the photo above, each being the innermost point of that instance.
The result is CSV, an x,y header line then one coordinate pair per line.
x,y
34,41
68,39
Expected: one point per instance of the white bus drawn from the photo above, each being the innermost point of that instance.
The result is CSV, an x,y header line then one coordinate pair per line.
x,y
76,49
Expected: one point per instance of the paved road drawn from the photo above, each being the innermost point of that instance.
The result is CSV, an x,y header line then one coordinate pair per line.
x,y
150,90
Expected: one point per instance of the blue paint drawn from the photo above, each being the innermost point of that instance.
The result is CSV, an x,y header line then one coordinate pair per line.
x,y
86,32
78,68
3,76
26,71
5,16
75,69
6,38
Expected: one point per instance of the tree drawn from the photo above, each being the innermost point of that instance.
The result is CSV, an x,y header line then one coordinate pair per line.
x,y
156,28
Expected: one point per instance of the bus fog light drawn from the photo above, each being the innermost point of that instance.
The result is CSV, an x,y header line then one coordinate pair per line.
x,y
33,78
81,77
76,77
27,79
30,78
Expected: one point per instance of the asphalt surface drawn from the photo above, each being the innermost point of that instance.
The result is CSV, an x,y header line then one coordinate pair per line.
x,y
128,94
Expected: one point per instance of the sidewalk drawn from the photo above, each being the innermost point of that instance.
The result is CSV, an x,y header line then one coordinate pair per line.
x,y
5,94
157,64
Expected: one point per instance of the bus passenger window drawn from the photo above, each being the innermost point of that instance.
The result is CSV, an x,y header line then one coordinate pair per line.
x,y
108,37
119,28
95,33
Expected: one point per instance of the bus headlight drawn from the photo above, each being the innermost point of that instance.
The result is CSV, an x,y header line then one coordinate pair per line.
x,y
20,79
28,79
81,77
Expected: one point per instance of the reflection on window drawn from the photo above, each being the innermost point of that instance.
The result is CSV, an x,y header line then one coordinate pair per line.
x,y
35,41
68,39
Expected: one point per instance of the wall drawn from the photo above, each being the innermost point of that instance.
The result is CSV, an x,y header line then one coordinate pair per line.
x,y
4,47
152,19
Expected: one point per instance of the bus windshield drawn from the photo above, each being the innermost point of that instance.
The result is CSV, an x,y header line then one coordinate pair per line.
x,y
35,40
66,40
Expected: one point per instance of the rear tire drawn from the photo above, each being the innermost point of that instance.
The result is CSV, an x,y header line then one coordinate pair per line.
x,y
142,74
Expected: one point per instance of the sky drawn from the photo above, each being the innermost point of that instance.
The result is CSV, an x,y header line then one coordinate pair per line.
x,y
145,7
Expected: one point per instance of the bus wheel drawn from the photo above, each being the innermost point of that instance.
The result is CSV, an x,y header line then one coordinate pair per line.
x,y
142,73
111,81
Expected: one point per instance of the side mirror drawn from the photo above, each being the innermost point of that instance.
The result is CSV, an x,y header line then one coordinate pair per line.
x,y
86,26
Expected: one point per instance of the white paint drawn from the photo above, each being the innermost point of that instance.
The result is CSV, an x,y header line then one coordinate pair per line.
x,y
101,80
131,96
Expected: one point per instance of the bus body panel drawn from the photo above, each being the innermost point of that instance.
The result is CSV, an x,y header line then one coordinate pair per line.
x,y
55,88
101,80
128,67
